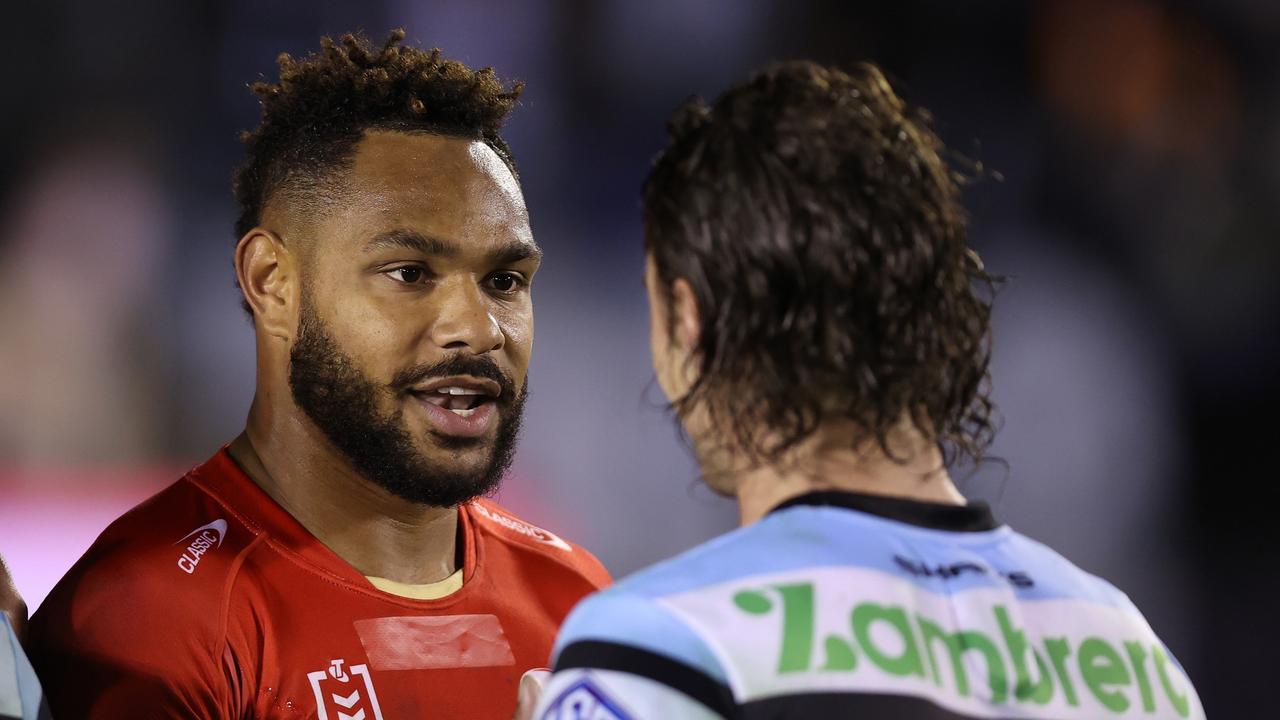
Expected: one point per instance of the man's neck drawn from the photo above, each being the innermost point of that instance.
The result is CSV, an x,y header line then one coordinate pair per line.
x,y
379,534
919,476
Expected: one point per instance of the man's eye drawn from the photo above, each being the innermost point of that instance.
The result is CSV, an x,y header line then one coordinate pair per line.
x,y
408,275
504,282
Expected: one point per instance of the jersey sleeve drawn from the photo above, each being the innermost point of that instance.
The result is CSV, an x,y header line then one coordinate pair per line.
x,y
139,638
104,656
621,655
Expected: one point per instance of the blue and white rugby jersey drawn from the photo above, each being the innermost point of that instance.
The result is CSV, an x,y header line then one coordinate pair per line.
x,y
838,605
20,694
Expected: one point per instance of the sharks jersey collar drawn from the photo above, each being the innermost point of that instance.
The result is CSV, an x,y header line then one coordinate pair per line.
x,y
973,517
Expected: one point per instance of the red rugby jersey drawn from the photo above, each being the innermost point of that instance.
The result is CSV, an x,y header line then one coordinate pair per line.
x,y
210,601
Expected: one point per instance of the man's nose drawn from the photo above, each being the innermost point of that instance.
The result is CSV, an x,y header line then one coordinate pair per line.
x,y
464,320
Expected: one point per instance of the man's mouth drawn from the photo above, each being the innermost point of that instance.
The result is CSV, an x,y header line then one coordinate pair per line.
x,y
461,406
458,400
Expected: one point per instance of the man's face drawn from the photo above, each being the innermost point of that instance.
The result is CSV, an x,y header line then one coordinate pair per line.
x,y
416,320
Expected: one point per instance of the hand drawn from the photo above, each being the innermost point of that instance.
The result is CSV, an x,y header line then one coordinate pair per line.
x,y
11,602
531,686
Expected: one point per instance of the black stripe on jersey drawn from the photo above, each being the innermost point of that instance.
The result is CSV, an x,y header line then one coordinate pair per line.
x,y
973,517
864,706
598,655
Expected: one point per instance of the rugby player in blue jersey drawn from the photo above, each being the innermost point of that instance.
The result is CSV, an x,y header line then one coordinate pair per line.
x,y
822,330
20,695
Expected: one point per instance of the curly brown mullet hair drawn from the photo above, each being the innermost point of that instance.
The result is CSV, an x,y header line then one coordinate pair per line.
x,y
315,114
820,228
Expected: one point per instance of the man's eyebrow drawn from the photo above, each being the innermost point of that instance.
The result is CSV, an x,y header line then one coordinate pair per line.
x,y
509,253
411,240
515,252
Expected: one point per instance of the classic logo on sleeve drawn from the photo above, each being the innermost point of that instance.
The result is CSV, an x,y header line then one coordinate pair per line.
x,y
202,540
339,697
531,531
584,700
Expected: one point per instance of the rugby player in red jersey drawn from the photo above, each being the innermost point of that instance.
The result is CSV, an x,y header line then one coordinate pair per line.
x,y
334,561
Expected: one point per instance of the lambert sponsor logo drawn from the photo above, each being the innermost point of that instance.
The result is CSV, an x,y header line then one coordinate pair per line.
x,y
999,663
202,540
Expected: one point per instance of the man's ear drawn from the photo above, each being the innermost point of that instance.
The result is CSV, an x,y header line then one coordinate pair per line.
x,y
269,281
686,320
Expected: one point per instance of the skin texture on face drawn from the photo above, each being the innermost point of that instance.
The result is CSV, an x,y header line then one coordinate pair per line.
x,y
422,274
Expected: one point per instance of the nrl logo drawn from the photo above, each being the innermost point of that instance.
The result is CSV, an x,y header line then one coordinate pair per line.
x,y
336,690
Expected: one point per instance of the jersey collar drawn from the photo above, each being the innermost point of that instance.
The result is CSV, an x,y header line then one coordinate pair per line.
x,y
973,517
224,479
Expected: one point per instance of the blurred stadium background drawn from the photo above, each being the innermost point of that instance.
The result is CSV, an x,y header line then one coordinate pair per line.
x,y
1136,214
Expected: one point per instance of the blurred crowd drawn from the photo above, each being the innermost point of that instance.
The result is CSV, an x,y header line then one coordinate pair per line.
x,y
1125,163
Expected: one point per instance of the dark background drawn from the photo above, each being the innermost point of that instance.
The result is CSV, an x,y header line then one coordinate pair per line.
x,y
1132,157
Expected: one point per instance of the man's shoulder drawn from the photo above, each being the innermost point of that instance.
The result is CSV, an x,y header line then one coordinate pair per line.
x,y
141,619
526,540
734,555
1050,575
621,618
618,640
182,533
880,555
627,637
632,626
169,560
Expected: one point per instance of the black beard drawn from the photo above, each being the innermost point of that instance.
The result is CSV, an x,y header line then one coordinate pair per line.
x,y
342,402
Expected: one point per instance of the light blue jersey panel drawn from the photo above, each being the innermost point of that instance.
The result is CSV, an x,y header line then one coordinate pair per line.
x,y
821,610
802,537
619,616
20,694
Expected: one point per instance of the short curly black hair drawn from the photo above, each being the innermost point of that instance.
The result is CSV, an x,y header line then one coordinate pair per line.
x,y
315,114
814,216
